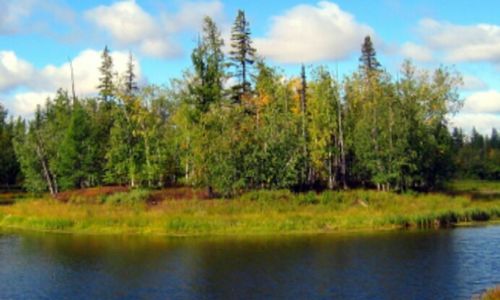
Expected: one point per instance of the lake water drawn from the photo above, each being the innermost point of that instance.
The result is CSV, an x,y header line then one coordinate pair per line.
x,y
443,264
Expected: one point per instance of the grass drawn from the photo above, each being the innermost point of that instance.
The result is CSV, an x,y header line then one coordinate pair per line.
x,y
258,212
472,185
9,197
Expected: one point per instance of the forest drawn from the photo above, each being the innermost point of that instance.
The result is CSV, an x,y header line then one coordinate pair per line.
x,y
234,123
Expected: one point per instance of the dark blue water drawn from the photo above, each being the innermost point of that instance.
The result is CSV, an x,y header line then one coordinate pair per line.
x,y
445,264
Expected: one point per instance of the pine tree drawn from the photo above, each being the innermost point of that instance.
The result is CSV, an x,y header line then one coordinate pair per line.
x,y
9,167
495,139
242,53
306,171
208,63
75,160
368,60
106,85
130,77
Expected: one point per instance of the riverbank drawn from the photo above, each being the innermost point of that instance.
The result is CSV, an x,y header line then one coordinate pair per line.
x,y
260,212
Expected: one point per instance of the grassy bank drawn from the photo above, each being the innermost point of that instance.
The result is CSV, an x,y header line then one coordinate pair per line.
x,y
260,212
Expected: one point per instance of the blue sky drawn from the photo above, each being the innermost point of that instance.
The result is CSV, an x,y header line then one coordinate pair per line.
x,y
37,37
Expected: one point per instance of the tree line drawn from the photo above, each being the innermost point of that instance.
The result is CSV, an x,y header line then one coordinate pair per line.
x,y
234,123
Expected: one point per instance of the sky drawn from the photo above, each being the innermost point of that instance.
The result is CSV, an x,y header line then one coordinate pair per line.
x,y
38,38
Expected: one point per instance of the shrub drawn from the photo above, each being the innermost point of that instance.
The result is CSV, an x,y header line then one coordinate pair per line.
x,y
267,196
129,198
331,197
307,198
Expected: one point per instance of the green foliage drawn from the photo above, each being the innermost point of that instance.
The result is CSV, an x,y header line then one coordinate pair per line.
x,y
134,197
267,196
208,63
300,133
75,163
106,85
477,157
309,198
242,53
257,212
9,166
331,198
368,60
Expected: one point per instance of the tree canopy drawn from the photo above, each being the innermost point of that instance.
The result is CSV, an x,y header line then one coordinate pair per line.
x,y
310,131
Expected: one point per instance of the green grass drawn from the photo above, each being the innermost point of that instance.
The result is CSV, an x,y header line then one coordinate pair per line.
x,y
258,212
471,185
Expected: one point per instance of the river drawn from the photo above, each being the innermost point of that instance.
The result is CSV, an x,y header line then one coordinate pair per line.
x,y
435,264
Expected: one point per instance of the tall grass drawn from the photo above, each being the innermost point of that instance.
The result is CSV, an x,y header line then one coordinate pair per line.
x,y
258,212
471,185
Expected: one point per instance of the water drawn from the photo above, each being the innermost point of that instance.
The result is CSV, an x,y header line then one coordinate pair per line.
x,y
444,264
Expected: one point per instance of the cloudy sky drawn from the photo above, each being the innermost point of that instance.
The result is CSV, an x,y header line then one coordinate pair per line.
x,y
39,37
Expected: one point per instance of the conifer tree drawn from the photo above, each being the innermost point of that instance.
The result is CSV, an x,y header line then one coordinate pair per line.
x,y
130,77
208,63
242,53
75,157
368,60
306,171
106,85
495,139
9,168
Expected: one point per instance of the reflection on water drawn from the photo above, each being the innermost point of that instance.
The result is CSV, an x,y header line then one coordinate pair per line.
x,y
394,265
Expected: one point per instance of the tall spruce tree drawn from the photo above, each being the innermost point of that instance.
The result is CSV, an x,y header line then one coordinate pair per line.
x,y
242,53
106,85
495,139
9,167
208,63
75,158
368,60
130,77
306,172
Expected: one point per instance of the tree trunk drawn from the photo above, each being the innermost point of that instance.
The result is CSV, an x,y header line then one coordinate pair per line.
x,y
46,171
303,106
341,143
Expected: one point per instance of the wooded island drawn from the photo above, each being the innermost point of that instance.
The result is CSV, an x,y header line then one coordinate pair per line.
x,y
233,123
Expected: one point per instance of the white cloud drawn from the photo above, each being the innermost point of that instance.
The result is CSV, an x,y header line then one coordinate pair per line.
x,y
126,21
25,104
12,14
159,47
462,43
40,16
416,52
483,102
86,72
42,82
472,83
481,110
483,122
190,15
130,25
13,71
308,33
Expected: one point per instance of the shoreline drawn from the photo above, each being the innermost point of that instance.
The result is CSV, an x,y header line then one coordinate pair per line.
x,y
494,222
260,213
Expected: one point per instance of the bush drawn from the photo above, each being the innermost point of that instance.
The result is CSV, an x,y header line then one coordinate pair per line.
x,y
267,196
307,199
129,198
331,197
